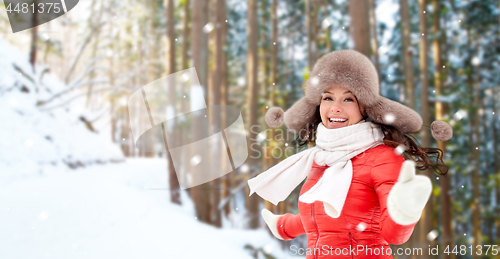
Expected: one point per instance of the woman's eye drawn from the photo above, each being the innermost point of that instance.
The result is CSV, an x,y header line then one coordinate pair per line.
x,y
349,99
326,98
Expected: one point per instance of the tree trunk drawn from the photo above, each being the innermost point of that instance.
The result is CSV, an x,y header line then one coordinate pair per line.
x,y
219,156
426,224
476,202
497,159
446,219
407,54
94,53
373,22
308,34
496,168
185,36
199,49
170,69
227,179
360,25
252,94
274,75
34,33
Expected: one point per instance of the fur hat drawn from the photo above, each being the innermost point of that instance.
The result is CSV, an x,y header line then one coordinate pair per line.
x,y
355,72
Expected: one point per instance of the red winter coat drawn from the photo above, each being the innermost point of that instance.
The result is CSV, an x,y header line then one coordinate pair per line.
x,y
374,173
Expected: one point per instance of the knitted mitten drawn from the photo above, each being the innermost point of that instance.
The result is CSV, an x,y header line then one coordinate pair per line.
x,y
272,222
409,195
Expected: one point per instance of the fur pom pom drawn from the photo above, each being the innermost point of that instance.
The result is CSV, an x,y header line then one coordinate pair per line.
x,y
274,117
441,130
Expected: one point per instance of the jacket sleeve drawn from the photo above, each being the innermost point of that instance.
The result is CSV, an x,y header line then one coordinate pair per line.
x,y
384,175
290,226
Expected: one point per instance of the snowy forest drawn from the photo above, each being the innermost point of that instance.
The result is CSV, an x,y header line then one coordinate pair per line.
x,y
75,182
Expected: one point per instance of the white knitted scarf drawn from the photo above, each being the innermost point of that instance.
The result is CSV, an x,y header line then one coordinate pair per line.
x,y
335,148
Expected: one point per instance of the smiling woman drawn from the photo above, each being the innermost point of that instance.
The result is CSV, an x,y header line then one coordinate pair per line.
x,y
357,177
339,108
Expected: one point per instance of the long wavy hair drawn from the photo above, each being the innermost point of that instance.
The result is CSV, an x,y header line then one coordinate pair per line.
x,y
424,157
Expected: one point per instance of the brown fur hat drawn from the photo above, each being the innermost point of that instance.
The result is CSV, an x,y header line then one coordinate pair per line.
x,y
354,71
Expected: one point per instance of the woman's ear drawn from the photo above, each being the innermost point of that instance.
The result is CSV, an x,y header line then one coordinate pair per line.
x,y
362,110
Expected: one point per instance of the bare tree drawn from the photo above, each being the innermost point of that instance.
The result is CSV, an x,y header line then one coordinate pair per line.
x,y
426,224
360,25
170,69
407,54
446,218
34,36
373,22
252,94
199,50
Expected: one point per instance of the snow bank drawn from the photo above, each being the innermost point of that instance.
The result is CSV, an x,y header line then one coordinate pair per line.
x,y
115,211
33,138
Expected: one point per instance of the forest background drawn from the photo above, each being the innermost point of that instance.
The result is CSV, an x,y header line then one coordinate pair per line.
x,y
440,58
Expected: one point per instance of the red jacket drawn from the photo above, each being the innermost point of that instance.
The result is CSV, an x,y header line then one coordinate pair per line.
x,y
374,173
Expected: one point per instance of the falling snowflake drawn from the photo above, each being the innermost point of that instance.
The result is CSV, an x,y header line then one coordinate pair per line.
x,y
400,149
432,235
241,81
314,80
28,143
389,118
185,77
208,27
361,227
43,215
459,114
261,136
195,160
327,22
475,61
268,249
244,168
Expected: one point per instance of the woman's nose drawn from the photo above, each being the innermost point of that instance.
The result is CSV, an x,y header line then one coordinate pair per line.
x,y
336,107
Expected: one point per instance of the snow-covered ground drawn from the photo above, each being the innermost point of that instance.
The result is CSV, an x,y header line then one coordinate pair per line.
x,y
98,209
110,211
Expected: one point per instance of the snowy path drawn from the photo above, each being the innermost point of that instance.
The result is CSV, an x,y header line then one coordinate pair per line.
x,y
107,211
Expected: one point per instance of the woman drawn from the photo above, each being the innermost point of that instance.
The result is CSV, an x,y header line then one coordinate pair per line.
x,y
359,194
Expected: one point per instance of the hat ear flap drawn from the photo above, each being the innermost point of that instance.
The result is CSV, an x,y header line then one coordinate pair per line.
x,y
441,130
274,117
300,114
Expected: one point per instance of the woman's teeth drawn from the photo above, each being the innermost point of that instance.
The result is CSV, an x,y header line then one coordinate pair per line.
x,y
337,120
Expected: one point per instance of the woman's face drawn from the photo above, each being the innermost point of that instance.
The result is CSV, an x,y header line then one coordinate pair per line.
x,y
339,105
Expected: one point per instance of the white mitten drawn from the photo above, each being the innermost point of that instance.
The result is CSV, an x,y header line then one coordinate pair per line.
x,y
272,222
409,195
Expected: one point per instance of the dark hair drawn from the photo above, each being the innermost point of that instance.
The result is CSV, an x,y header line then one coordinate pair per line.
x,y
424,157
